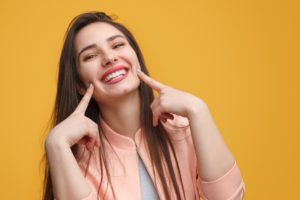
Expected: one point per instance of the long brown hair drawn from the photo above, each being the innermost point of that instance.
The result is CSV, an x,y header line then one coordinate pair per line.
x,y
68,97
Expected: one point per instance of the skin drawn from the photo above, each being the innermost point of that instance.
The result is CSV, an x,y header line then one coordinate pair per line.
x,y
118,106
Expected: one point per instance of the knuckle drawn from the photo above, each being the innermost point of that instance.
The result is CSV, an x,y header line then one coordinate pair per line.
x,y
160,103
151,106
86,128
95,126
85,121
163,103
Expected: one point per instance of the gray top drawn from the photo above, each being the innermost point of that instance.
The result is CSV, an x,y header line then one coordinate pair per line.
x,y
147,187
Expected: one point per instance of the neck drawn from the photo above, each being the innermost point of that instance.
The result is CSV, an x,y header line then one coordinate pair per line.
x,y
123,115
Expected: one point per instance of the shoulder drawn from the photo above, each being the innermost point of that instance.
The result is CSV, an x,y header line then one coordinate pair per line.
x,y
178,128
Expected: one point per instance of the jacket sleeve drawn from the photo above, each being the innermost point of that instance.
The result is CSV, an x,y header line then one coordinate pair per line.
x,y
87,162
228,187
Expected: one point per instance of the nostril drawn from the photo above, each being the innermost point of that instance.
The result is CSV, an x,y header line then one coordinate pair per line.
x,y
109,61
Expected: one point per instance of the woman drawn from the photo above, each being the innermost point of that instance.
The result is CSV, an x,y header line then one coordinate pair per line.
x,y
112,139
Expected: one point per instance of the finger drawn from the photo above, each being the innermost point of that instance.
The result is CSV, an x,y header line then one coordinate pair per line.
x,y
90,145
156,115
90,142
167,115
150,82
94,132
87,141
159,113
164,120
83,140
155,119
154,110
82,106
155,102
91,138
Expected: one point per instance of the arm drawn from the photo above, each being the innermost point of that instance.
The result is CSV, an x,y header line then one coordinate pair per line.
x,y
220,177
67,179
212,153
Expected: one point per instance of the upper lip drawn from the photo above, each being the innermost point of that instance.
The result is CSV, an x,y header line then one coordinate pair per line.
x,y
113,69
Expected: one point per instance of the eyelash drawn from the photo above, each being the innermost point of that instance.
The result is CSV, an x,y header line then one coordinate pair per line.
x,y
89,57
93,55
118,45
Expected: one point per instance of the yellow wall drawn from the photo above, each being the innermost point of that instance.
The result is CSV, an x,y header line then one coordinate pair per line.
x,y
241,57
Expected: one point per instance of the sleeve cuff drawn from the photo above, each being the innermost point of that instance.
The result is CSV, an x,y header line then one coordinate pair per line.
x,y
91,196
230,186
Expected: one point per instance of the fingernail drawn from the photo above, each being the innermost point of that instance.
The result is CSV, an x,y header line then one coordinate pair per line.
x,y
90,85
138,71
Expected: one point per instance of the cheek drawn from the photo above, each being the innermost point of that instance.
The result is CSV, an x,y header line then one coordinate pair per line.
x,y
136,64
88,75
131,55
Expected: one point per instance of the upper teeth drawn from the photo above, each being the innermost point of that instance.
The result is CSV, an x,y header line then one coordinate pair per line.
x,y
115,74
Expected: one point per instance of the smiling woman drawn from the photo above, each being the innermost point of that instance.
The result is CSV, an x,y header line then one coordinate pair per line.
x,y
112,139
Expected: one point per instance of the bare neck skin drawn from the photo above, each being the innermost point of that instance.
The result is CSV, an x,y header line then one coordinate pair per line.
x,y
123,115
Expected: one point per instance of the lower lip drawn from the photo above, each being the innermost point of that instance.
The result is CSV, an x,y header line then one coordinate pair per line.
x,y
118,79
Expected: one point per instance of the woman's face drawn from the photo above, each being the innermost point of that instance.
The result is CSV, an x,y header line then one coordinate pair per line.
x,y
107,61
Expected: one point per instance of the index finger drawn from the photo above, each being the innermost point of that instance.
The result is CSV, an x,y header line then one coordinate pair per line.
x,y
151,82
83,104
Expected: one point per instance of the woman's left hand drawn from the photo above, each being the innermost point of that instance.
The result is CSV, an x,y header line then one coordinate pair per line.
x,y
170,100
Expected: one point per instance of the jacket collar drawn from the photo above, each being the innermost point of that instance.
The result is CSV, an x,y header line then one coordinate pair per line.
x,y
120,141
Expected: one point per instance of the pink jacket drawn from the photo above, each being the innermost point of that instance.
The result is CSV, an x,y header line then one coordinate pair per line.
x,y
124,167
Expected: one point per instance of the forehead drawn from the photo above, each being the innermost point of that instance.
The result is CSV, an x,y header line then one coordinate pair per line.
x,y
95,33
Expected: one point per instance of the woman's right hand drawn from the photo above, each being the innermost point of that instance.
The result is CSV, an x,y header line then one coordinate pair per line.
x,y
77,128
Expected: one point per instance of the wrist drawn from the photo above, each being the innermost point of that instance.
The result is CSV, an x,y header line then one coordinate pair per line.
x,y
55,141
196,108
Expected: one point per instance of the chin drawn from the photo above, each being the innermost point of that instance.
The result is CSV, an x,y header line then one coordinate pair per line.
x,y
129,90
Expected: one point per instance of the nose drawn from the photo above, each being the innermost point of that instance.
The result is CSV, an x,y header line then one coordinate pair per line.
x,y
109,59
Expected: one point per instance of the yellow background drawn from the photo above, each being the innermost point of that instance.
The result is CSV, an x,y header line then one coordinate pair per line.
x,y
241,57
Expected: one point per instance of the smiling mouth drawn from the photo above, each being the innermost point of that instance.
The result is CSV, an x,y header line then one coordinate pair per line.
x,y
115,75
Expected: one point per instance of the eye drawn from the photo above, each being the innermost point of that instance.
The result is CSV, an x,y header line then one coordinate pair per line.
x,y
88,57
118,45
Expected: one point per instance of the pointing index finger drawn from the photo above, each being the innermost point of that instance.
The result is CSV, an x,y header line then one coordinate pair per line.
x,y
83,104
150,82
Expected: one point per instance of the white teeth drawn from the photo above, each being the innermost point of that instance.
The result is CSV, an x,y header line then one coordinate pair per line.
x,y
115,75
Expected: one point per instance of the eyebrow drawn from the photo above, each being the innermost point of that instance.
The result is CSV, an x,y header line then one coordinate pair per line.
x,y
111,38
